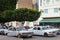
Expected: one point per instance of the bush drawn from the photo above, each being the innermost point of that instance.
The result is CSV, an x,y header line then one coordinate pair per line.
x,y
25,14
7,16
22,14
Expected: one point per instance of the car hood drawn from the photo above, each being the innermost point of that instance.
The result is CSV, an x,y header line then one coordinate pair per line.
x,y
25,31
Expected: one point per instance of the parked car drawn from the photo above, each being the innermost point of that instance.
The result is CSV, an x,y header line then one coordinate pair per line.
x,y
3,30
19,32
44,30
58,30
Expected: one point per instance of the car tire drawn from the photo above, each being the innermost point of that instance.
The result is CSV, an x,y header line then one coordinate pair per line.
x,y
6,33
19,36
45,34
30,36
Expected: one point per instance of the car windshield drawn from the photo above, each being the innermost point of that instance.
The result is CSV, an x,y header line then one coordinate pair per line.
x,y
51,27
19,29
45,28
2,28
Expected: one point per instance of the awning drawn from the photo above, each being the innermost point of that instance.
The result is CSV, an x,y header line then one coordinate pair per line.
x,y
50,20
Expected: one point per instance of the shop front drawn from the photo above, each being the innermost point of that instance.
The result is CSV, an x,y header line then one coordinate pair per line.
x,y
50,21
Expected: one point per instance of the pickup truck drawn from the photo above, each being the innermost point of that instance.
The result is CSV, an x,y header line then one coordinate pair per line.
x,y
44,30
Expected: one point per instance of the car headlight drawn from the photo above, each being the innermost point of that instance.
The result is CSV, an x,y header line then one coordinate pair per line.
x,y
58,31
49,32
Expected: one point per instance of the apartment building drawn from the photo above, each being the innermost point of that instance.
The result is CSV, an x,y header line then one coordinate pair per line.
x,y
50,12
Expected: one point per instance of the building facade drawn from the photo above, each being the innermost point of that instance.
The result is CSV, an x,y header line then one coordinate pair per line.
x,y
31,4
50,12
24,4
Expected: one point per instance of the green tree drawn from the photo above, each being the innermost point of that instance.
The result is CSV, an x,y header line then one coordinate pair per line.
x,y
21,15
24,14
7,16
7,5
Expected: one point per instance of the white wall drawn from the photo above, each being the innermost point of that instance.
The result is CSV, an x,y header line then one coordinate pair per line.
x,y
50,7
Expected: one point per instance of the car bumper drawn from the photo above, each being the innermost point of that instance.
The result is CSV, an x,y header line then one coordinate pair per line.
x,y
2,32
53,34
26,35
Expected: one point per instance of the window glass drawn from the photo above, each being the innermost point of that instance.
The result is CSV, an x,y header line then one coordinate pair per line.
x,y
12,29
47,1
55,10
38,28
34,28
46,10
40,2
56,0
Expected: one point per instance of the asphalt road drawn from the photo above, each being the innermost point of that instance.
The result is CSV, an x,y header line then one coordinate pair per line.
x,y
43,38
2,37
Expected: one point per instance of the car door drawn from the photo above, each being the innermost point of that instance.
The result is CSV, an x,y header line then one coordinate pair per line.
x,y
12,32
39,31
35,31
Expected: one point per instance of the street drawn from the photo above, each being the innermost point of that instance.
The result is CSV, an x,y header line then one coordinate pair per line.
x,y
2,37
43,38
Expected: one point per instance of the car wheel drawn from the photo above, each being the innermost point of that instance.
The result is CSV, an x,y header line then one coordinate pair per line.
x,y
6,33
45,34
19,35
30,36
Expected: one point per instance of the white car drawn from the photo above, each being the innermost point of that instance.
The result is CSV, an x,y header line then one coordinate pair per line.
x,y
3,30
19,33
44,30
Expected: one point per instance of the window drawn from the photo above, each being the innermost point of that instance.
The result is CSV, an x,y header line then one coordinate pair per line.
x,y
56,10
38,28
47,1
13,29
46,10
56,0
40,2
35,28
